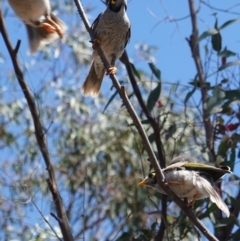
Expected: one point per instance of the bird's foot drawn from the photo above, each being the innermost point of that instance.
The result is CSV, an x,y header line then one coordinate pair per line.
x,y
111,70
53,25
48,27
190,204
94,42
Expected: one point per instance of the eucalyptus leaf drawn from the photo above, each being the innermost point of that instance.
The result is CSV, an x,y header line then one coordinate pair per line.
x,y
213,103
155,71
154,96
206,34
229,64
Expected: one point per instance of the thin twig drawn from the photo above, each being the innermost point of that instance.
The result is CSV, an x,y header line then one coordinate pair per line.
x,y
33,202
40,136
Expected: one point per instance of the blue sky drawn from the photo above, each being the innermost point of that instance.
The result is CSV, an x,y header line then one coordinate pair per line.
x,y
149,21
150,24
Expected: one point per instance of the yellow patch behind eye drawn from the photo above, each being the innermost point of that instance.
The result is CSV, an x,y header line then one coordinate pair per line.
x,y
113,1
152,175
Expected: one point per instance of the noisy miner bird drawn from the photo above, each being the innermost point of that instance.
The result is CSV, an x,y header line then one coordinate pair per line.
x,y
112,31
43,27
191,180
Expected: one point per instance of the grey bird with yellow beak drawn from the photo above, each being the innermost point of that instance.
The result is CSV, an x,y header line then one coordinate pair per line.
x,y
191,180
112,31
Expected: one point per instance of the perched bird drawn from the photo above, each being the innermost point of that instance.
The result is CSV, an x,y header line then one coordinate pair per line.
x,y
43,27
191,180
112,31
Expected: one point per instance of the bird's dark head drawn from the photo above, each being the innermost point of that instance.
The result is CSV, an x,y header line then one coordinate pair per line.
x,y
150,180
116,5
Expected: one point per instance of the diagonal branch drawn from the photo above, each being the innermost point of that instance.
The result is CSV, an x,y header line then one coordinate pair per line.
x,y
40,136
136,121
155,126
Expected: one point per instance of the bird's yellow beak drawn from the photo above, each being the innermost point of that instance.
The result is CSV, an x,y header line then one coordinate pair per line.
x,y
143,182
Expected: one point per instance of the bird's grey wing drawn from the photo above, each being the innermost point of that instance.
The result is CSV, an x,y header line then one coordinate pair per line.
x,y
215,172
96,21
128,36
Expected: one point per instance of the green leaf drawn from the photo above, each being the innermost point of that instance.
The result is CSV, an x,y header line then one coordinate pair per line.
x,y
226,53
151,138
213,103
229,64
223,222
223,81
223,147
217,42
153,97
236,236
232,160
189,94
206,34
232,94
229,22
171,130
155,71
136,73
226,110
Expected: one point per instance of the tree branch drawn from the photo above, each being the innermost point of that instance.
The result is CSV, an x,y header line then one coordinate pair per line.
x,y
194,46
40,135
152,157
155,126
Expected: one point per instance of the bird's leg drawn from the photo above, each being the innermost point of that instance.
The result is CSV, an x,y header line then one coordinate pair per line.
x,y
190,204
174,183
94,42
112,70
53,25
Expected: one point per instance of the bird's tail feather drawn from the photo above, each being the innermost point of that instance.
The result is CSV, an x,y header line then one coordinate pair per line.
x,y
215,198
93,81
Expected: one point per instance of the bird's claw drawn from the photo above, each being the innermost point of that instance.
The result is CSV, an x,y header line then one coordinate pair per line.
x,y
51,27
190,204
94,42
111,71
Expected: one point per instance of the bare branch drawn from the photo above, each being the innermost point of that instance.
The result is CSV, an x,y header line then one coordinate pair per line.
x,y
155,126
40,135
194,46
